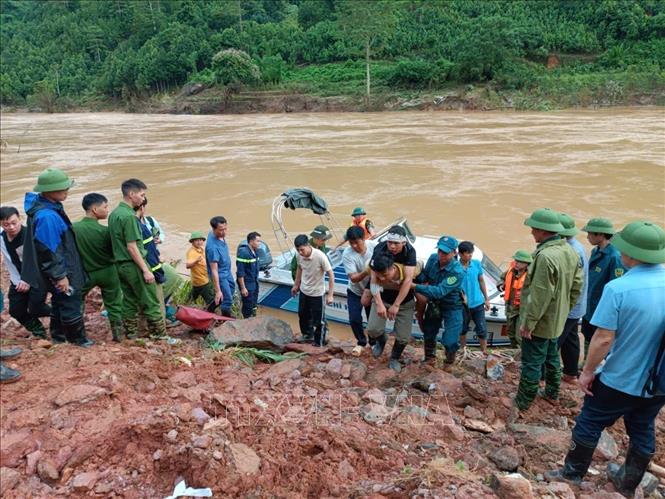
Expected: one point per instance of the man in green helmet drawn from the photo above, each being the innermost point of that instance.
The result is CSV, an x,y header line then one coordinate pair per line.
x,y
553,284
51,258
511,284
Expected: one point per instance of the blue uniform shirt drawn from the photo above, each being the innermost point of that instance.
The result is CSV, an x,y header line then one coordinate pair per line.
x,y
444,284
604,265
247,267
218,251
470,284
634,307
580,307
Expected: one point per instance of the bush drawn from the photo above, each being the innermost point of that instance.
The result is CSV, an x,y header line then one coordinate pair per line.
x,y
272,69
418,73
232,66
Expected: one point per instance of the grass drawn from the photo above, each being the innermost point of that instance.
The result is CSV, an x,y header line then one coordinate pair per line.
x,y
250,356
436,471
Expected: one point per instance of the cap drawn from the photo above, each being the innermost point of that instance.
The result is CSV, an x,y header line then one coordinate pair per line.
x,y
52,180
545,219
599,225
197,234
447,244
358,211
321,232
643,241
523,256
568,225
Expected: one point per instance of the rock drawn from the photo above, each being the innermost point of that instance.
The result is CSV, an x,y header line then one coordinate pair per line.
x,y
346,371
47,470
376,413
185,379
217,455
561,490
282,369
607,448
472,413
200,416
445,382
307,348
506,458
8,479
171,436
104,488
476,425
453,432
345,470
493,368
43,344
375,395
191,89
475,365
649,484
78,394
512,486
543,438
85,481
258,332
13,446
219,422
334,367
31,461
202,442
477,392
245,459
418,411
157,455
358,371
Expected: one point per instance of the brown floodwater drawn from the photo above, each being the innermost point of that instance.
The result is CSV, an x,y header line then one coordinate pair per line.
x,y
474,175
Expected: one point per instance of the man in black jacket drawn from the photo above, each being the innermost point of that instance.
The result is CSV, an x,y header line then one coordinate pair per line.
x,y
52,260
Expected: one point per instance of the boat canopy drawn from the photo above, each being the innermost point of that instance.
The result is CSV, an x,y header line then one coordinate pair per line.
x,y
304,198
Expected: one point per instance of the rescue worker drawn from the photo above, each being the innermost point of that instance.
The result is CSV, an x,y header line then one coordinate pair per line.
x,y
630,322
604,265
247,274
136,279
512,282
196,263
553,285
26,304
439,300
218,260
94,244
51,258
360,220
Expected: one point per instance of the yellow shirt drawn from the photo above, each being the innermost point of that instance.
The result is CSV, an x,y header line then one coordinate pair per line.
x,y
199,270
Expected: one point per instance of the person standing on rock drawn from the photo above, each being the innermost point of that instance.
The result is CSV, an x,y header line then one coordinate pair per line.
x,y
511,284
247,273
604,266
51,260
218,260
94,244
309,285
355,259
136,279
439,300
630,322
26,304
553,285
475,292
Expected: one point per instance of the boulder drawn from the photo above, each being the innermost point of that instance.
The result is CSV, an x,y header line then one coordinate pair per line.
x,y
512,486
13,446
281,369
245,459
506,458
494,370
541,437
78,394
607,448
200,416
258,332
375,395
85,481
560,490
202,442
476,425
191,89
334,367
376,413
8,480
47,470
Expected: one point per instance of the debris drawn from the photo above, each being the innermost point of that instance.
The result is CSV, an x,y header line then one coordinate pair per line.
x,y
181,490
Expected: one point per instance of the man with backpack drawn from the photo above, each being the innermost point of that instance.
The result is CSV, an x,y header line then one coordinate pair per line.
x,y
630,322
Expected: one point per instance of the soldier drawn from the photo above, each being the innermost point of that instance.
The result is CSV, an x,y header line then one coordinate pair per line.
x,y
512,282
51,258
623,358
136,279
360,220
553,284
94,244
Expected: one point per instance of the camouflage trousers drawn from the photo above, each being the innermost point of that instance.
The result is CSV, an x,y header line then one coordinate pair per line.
x,y
512,325
536,353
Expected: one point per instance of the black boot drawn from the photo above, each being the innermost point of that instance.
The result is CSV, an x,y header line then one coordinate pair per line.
x,y
627,477
394,364
36,327
56,331
319,337
116,330
575,466
450,357
377,348
430,349
75,333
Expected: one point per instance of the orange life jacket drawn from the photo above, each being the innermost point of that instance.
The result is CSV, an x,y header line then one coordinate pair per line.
x,y
513,283
363,225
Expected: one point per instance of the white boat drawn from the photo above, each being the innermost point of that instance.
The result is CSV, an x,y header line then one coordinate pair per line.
x,y
275,281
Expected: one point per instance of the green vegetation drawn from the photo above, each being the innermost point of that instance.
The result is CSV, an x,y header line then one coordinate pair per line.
x,y
60,53
250,356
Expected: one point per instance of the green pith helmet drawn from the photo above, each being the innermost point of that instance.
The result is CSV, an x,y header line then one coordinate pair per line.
x,y
522,256
545,219
568,224
321,232
358,211
643,241
599,225
52,180
197,234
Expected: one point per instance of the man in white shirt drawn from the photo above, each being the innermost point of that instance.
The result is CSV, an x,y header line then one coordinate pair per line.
x,y
313,264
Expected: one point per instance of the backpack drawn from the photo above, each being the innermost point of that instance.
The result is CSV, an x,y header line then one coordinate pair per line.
x,y
655,384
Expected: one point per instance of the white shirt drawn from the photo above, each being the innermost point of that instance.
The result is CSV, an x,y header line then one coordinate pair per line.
x,y
355,263
14,275
313,270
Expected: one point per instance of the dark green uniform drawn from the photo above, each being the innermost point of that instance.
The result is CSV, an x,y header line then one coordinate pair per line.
x,y
137,295
94,243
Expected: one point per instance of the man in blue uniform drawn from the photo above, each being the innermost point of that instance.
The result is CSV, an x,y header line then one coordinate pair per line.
x,y
219,265
439,299
247,274
630,322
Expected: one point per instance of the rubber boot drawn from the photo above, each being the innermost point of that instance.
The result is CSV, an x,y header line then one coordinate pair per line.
x,y
36,327
116,330
131,327
156,329
575,466
75,334
626,478
377,348
430,350
8,375
56,332
450,357
395,355
10,353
